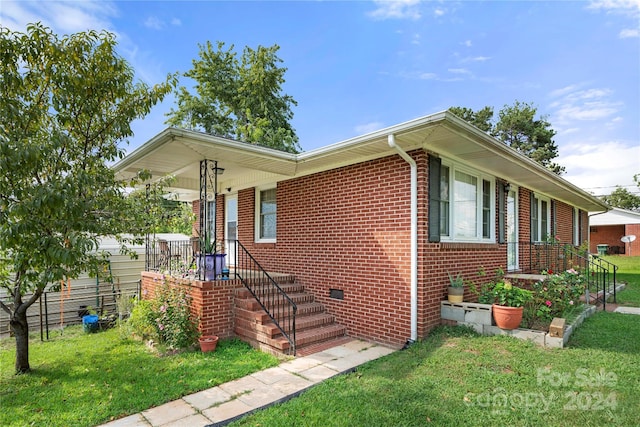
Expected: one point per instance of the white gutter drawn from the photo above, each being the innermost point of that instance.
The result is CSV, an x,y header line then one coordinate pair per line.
x,y
414,234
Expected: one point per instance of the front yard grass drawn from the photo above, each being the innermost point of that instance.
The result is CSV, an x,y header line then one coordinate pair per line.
x,y
83,379
458,378
629,273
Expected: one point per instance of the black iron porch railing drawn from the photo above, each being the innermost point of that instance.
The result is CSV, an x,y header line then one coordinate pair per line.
x,y
183,258
275,302
172,257
535,257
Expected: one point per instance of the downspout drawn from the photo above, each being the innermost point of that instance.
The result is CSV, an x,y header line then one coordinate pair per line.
x,y
414,236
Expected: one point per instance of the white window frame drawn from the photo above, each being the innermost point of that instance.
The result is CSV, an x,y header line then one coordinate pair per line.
x,y
576,226
539,198
258,216
480,177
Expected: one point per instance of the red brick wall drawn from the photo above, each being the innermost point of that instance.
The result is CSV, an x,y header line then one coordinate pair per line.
x,y
633,248
564,222
349,229
605,235
211,302
346,229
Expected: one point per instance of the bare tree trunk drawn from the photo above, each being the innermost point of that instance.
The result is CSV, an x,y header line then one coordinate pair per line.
x,y
20,328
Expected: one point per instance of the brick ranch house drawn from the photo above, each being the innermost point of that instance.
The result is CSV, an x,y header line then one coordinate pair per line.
x,y
368,228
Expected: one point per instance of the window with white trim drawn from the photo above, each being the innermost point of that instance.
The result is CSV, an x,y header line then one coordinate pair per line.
x,y
576,226
540,218
266,218
467,205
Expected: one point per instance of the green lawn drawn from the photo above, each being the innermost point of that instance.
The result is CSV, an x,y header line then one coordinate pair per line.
x,y
628,273
458,378
87,379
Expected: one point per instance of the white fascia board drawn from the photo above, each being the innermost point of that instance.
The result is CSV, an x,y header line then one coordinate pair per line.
x,y
503,150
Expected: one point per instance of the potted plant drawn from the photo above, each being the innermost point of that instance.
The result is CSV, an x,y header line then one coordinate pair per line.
x,y
208,343
508,302
213,260
456,288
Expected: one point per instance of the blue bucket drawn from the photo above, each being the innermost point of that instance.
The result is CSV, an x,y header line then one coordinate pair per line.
x,y
90,323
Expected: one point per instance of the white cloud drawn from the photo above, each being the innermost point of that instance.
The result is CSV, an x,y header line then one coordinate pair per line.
x,y
467,43
427,76
629,33
76,16
154,23
368,127
593,167
459,71
176,22
396,9
618,6
475,59
61,17
573,103
439,12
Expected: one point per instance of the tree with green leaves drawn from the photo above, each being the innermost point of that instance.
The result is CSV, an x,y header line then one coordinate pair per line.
x,y
623,199
519,128
67,103
480,119
238,98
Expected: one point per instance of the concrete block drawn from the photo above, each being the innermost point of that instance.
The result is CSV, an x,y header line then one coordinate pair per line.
x,y
538,337
469,312
452,311
553,342
556,328
478,313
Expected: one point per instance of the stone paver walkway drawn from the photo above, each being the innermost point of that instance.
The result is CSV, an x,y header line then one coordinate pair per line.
x,y
627,310
229,401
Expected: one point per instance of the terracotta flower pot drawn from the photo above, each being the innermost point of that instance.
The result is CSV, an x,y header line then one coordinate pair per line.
x,y
208,343
507,317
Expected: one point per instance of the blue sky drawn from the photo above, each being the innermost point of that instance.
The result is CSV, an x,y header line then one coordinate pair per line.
x,y
355,67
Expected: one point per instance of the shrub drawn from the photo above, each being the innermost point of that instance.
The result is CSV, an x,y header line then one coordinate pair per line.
x,y
142,320
176,326
166,319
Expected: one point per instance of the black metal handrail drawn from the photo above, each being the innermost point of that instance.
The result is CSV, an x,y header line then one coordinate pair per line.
x,y
536,257
275,301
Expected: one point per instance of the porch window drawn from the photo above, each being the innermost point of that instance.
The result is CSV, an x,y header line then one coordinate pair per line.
x,y
540,218
211,220
266,215
467,205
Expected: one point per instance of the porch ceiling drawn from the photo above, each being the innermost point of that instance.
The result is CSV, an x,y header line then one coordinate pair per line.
x,y
178,152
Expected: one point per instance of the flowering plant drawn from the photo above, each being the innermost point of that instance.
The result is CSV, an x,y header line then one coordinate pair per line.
x,y
166,318
504,293
557,293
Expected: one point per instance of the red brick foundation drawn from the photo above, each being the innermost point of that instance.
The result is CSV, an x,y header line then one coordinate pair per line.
x,y
212,302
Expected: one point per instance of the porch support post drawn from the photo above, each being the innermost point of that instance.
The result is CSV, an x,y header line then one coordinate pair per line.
x,y
414,235
208,192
